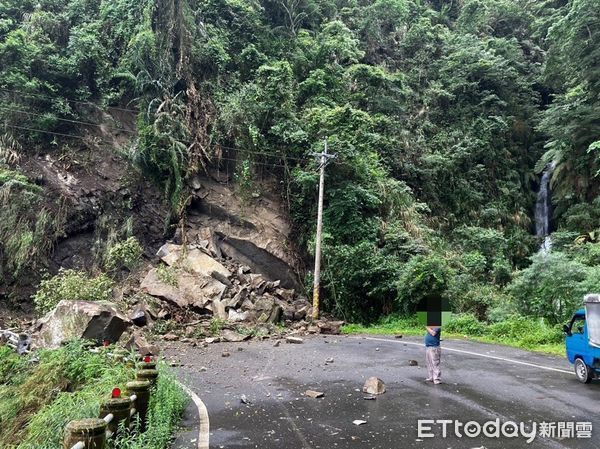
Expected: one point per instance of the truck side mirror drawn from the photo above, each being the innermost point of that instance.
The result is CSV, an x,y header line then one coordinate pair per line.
x,y
567,330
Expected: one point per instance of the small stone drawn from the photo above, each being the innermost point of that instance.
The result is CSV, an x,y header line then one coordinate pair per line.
x,y
225,354
329,360
245,400
294,340
359,422
369,398
203,369
398,336
240,349
376,349
276,344
170,337
314,394
374,385
413,363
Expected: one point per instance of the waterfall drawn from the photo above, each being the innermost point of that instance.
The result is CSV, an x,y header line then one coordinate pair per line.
x,y
543,208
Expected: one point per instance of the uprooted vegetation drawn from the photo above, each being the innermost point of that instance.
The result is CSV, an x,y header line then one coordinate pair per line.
x,y
40,393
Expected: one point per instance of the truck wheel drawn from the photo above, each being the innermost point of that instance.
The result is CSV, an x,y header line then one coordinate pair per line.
x,y
582,371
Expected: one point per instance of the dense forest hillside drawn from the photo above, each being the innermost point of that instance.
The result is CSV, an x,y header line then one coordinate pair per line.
x,y
444,116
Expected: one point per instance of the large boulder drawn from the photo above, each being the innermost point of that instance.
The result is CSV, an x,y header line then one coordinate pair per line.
x,y
96,321
189,290
194,260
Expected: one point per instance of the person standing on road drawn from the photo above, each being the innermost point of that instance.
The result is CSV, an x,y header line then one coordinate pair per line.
x,y
433,353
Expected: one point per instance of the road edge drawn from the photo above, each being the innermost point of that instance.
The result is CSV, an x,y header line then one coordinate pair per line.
x,y
204,427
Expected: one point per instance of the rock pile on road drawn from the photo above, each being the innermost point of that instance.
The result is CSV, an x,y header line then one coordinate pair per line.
x,y
194,278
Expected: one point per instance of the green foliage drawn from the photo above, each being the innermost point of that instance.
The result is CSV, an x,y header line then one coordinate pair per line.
x,y
126,254
362,281
441,114
72,285
69,384
553,286
166,407
466,324
422,276
167,275
66,384
216,325
527,332
27,228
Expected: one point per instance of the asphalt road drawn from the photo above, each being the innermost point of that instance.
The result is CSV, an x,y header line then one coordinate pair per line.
x,y
481,383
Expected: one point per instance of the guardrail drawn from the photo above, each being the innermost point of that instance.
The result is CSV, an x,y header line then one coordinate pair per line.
x,y
116,413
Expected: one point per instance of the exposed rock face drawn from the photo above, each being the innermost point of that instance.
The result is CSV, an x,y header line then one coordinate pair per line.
x,y
80,319
255,234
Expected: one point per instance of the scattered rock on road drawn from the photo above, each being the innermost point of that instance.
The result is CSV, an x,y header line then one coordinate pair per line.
x,y
413,363
232,336
295,340
314,394
374,385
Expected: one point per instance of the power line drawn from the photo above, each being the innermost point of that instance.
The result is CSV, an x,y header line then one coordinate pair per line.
x,y
79,122
266,164
263,154
47,97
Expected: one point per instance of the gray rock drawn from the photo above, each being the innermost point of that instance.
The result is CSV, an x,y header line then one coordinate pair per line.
x,y
294,340
194,260
314,394
191,290
236,317
96,321
137,342
374,386
232,336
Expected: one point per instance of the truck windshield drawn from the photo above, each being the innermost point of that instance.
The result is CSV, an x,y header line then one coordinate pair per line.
x,y
593,322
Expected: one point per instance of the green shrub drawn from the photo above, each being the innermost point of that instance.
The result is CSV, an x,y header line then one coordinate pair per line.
x,y
422,276
553,286
466,324
164,413
167,275
41,398
125,254
361,281
72,285
527,332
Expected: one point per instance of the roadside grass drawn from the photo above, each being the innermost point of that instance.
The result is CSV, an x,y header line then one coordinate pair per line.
x,y
38,398
518,332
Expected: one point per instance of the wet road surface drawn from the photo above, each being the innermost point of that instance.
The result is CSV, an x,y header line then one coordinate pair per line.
x,y
481,383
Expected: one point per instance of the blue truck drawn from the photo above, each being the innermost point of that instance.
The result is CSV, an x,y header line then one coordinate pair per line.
x,y
583,339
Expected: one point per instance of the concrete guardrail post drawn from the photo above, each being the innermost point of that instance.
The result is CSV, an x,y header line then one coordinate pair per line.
x,y
91,432
140,388
151,375
146,365
120,408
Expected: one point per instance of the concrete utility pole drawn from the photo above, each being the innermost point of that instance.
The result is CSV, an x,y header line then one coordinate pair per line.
x,y
324,158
